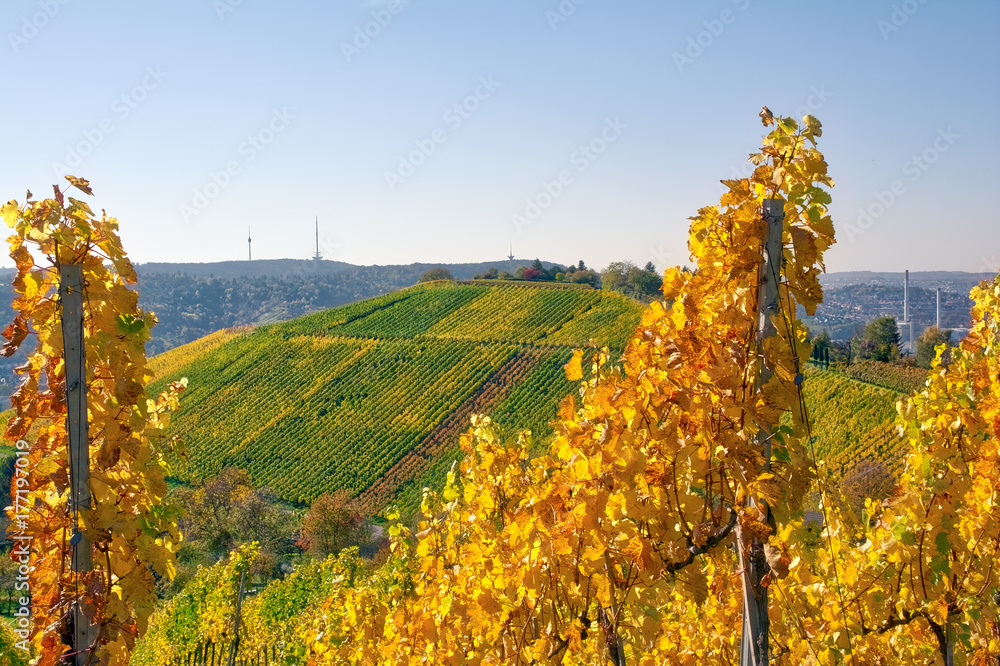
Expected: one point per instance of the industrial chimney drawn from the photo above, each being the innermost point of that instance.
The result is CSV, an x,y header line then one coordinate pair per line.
x,y
906,297
939,308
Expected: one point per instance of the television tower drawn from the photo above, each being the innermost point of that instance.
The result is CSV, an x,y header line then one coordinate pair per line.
x,y
317,256
249,246
511,257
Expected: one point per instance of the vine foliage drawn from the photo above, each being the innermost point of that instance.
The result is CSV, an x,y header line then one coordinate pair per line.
x,y
134,535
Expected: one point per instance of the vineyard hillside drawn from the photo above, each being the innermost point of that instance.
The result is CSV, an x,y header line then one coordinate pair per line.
x,y
852,413
372,396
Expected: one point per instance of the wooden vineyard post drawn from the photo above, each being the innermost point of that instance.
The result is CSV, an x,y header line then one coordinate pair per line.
x,y
754,646
235,645
71,298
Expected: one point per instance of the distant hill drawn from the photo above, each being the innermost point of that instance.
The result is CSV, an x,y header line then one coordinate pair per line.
x,y
852,299
954,281
289,268
373,396
232,269
846,310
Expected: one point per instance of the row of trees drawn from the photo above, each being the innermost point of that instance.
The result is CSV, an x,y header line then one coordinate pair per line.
x,y
627,278
536,272
228,511
881,341
622,276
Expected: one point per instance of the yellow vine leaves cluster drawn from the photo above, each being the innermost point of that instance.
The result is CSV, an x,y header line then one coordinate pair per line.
x,y
616,546
133,533
919,584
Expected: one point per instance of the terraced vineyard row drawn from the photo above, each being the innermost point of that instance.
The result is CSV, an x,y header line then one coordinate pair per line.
x,y
526,315
854,420
311,414
516,312
843,411
528,284
608,322
171,361
899,378
444,438
881,444
329,321
532,404
413,316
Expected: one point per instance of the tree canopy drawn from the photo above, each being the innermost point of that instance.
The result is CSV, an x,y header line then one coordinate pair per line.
x,y
880,341
627,278
436,274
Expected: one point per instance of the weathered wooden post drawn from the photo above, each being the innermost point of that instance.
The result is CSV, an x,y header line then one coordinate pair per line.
x,y
754,647
235,645
71,297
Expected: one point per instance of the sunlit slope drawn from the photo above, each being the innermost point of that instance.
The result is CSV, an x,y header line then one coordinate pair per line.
x,y
852,420
368,397
170,361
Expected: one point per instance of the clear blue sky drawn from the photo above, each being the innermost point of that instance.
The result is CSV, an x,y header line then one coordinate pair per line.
x,y
149,99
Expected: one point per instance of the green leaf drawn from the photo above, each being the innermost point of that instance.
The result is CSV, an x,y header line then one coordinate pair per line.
x,y
942,543
129,324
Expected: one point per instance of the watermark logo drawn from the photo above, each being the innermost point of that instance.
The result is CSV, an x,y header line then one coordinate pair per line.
x,y
899,17
661,256
248,150
455,116
31,26
122,108
21,550
364,34
581,160
223,7
697,44
562,13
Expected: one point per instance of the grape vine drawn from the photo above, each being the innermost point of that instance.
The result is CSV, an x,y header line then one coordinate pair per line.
x,y
133,534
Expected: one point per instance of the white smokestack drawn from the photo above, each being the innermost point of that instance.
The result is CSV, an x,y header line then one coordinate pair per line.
x,y
906,297
939,308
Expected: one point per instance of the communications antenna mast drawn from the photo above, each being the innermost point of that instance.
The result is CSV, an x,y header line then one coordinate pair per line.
x,y
317,256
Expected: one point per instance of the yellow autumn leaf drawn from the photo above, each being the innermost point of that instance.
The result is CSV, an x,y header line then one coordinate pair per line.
x,y
574,369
